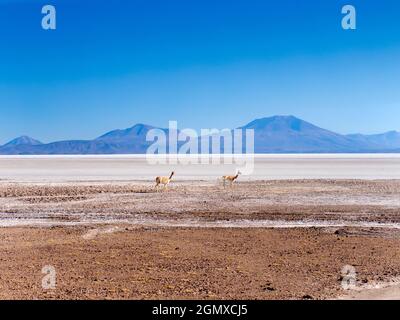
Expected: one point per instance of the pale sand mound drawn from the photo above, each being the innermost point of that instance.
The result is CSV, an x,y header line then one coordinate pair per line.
x,y
389,290
389,293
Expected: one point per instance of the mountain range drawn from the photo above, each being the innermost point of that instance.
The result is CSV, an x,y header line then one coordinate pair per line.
x,y
277,134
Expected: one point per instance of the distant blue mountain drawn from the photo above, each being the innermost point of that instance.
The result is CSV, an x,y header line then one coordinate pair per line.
x,y
23,140
137,132
288,134
387,140
277,134
19,145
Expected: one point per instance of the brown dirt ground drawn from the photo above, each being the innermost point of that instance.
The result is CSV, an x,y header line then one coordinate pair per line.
x,y
179,263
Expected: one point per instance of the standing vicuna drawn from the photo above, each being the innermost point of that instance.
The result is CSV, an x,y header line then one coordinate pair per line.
x,y
231,179
164,180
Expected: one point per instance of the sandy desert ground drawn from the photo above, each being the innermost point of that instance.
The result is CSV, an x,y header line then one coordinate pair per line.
x,y
261,239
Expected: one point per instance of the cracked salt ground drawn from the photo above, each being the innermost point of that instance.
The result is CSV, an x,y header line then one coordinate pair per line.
x,y
274,204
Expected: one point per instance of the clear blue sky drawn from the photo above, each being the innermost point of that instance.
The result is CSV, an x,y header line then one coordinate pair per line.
x,y
219,63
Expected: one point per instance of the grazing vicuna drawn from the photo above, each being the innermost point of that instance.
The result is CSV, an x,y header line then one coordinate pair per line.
x,y
231,179
164,180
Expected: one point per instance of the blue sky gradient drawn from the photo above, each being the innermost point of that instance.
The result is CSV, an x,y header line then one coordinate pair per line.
x,y
111,64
